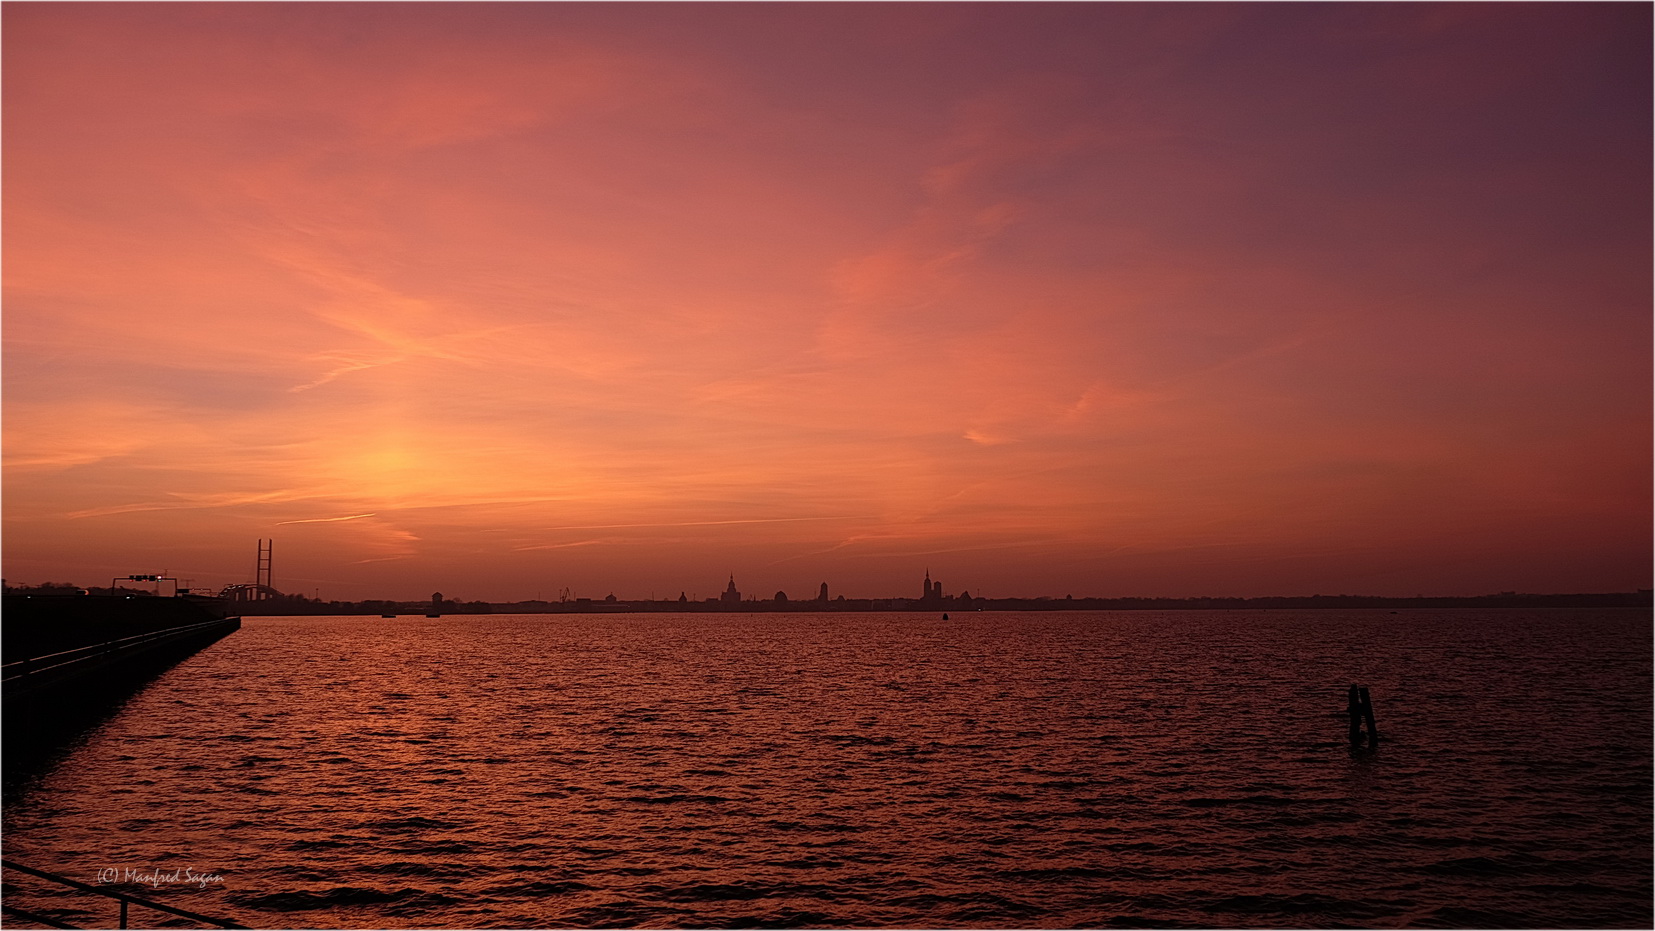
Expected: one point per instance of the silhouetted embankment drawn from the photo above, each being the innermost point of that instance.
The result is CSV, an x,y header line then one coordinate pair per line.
x,y
35,625
69,662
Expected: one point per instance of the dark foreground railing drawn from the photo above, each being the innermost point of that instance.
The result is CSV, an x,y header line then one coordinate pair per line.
x,y
13,673
123,897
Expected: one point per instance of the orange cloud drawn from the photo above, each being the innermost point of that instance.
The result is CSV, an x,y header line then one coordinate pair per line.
x,y
1092,308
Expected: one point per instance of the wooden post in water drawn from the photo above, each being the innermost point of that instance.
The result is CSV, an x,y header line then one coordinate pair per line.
x,y
1360,707
1367,715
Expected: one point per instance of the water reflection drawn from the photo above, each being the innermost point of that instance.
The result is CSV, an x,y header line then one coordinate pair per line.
x,y
877,770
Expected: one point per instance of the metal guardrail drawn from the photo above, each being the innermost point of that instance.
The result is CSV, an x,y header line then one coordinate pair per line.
x,y
23,667
124,898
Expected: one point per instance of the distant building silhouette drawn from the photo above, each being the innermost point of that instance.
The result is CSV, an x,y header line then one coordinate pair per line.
x,y
781,597
683,598
730,596
823,596
933,591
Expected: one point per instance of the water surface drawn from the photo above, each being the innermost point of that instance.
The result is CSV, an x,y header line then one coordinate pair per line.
x,y
1064,769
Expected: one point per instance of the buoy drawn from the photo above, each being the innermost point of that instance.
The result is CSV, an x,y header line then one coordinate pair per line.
x,y
945,615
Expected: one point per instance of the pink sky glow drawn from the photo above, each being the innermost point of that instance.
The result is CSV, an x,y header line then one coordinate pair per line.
x,y
1102,299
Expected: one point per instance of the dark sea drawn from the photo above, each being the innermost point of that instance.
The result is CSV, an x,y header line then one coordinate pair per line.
x,y
995,770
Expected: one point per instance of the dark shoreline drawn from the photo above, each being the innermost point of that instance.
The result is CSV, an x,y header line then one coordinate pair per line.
x,y
302,606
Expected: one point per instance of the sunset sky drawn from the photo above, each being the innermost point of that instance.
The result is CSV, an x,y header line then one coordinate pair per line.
x,y
498,299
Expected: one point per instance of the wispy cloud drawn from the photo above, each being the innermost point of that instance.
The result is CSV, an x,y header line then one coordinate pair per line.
x,y
563,546
345,369
324,520
479,283
181,501
708,523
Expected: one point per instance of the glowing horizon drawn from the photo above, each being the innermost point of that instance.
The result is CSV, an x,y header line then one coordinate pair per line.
x,y
1102,300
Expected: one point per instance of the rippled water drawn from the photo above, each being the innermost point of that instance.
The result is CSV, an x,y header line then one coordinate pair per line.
x,y
996,770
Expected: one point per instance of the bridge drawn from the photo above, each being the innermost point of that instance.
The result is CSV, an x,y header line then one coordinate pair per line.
x,y
260,588
249,591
